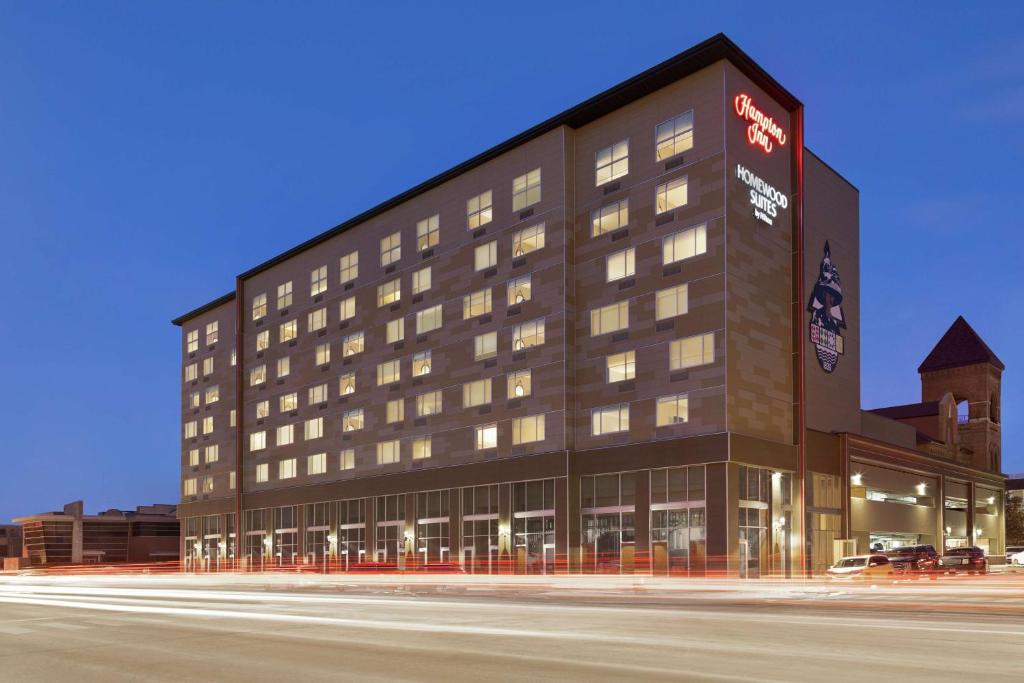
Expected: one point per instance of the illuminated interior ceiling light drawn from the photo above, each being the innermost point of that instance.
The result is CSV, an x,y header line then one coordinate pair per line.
x,y
520,391
520,345
519,252
949,529
921,488
426,368
519,298
776,476
350,389
857,479
991,500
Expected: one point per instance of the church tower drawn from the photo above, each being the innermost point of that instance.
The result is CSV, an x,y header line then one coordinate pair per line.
x,y
963,365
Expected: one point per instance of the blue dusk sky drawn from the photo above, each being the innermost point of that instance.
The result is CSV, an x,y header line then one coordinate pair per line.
x,y
151,151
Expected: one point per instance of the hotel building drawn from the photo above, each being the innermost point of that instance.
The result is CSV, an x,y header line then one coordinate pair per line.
x,y
615,342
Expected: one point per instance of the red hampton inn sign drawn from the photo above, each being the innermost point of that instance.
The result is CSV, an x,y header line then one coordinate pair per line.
x,y
762,130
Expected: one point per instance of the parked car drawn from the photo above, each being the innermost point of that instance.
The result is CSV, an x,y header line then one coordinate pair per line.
x,y
1014,555
921,559
861,567
968,559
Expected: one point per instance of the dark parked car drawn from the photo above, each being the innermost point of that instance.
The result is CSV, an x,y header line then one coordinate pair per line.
x,y
915,559
970,559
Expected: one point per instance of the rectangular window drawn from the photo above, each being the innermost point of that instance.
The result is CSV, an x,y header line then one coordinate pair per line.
x,y
287,331
314,429
347,309
421,364
191,372
395,331
610,419
519,290
258,375
352,420
192,341
394,411
285,435
421,280
208,424
388,452
347,384
684,244
610,318
527,429
485,346
231,480
257,441
190,487
671,302
672,410
620,367
288,402
317,320
528,334
212,394
194,399
207,484
286,469
316,463
234,357
262,410
348,459
349,264
284,295
352,344
212,453
231,417
318,394
609,218
429,403
692,351
526,190
477,303
485,256
391,249
212,333
528,239
620,264
476,393
207,366
428,319
262,341
389,292
262,472
674,136
193,457
519,384
388,372
670,195
284,367
611,162
259,306
428,232
421,448
486,436
318,281
323,354
478,210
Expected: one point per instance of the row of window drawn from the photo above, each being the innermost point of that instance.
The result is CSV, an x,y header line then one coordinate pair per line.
x,y
212,335
193,485
671,137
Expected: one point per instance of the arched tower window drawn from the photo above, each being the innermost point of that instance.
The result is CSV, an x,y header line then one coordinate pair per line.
x,y
963,411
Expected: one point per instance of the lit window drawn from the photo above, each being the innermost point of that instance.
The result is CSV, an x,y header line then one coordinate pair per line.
x,y
318,394
285,435
692,351
388,372
287,331
486,436
194,399
284,366
259,306
620,264
192,341
428,404
428,319
208,424
620,366
485,346
347,308
388,452
672,410
421,448
611,162
519,290
352,344
316,463
519,384
212,333
231,480
257,375
673,136
257,441
610,318
609,218
485,255
428,232
262,472
189,487
347,384
421,363
391,249
212,453
528,239
208,366
323,354
528,334
193,457
670,195
421,280
288,402
284,295
684,244
478,210
352,420
262,410
609,419
263,341
349,265
527,429
476,393
389,292
212,394
191,372
671,302
348,459
317,320
395,331
234,357
318,281
394,411
314,429
286,469
231,417
526,190
207,484
477,303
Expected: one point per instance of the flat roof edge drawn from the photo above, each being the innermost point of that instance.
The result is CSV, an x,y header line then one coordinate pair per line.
x,y
181,319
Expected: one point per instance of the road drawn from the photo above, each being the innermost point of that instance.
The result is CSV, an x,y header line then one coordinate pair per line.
x,y
428,628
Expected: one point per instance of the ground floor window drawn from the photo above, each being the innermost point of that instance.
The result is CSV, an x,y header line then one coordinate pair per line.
x,y
351,531
533,525
678,528
286,535
480,528
318,546
432,526
390,536
608,526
